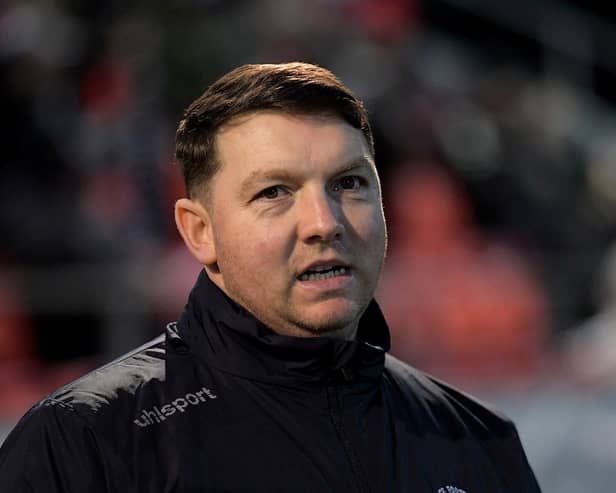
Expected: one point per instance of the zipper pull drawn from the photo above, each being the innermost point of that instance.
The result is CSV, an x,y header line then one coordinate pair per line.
x,y
347,374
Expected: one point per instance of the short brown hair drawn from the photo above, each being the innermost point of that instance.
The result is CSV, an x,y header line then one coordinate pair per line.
x,y
295,88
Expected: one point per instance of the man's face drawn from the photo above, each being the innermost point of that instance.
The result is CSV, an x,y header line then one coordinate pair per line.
x,y
297,222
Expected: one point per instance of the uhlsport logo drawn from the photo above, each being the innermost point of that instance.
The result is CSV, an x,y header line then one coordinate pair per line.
x,y
155,414
450,489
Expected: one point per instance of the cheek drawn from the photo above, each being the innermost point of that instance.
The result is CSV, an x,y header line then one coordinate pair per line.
x,y
274,237
256,248
369,226
381,231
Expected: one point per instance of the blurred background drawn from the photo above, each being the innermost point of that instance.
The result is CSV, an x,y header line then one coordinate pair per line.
x,y
495,131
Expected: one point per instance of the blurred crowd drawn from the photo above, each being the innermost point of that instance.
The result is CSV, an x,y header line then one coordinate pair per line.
x,y
499,179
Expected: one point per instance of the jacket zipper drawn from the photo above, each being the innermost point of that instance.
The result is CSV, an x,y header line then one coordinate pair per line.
x,y
335,407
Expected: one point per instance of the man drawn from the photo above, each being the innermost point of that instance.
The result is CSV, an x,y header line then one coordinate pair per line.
x,y
275,377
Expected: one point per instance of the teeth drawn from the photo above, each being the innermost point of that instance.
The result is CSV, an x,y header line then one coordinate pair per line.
x,y
321,273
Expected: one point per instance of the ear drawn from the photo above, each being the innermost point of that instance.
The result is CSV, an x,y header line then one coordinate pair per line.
x,y
195,226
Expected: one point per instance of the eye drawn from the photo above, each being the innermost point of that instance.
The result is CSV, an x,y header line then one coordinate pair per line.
x,y
348,183
271,193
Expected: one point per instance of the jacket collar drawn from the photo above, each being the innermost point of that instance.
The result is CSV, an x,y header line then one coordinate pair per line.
x,y
226,336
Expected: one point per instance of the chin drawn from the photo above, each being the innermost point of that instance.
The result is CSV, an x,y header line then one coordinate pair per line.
x,y
328,323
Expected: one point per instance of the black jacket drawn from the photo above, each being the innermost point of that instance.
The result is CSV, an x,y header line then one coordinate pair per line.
x,y
221,403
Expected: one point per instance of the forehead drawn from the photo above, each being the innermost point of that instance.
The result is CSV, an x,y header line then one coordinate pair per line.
x,y
283,139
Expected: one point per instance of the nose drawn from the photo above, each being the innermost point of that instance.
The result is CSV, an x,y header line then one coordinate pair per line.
x,y
320,217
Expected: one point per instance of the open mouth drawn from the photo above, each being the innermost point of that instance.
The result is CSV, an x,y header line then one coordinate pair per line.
x,y
322,273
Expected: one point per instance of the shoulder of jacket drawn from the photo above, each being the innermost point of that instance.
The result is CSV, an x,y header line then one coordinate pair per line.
x,y
447,407
117,380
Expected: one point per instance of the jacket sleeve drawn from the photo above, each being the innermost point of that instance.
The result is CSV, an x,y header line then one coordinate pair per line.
x,y
52,450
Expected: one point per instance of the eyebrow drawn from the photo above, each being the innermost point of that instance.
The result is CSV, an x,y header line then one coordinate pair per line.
x,y
283,174
271,175
359,162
